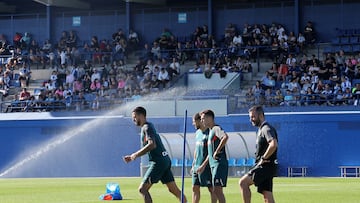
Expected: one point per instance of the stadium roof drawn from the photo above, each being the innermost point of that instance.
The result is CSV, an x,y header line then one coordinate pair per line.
x,y
35,6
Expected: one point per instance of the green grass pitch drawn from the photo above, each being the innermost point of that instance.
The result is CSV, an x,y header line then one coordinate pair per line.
x,y
76,190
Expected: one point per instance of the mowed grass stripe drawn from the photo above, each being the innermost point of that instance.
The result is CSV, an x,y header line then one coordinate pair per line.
x,y
87,190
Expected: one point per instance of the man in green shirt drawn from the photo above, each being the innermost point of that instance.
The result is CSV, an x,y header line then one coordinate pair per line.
x,y
216,152
201,174
159,161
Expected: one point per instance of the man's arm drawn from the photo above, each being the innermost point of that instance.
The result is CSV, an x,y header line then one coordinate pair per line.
x,y
221,145
203,165
269,151
148,147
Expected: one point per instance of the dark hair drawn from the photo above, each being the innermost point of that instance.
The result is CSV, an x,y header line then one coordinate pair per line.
x,y
258,109
208,112
197,116
140,110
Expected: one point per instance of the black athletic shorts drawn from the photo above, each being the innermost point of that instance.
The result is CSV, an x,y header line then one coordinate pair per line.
x,y
263,176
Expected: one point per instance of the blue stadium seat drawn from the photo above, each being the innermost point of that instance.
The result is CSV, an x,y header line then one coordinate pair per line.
x,y
335,41
354,40
188,162
344,40
232,162
241,162
328,49
180,162
347,48
174,162
356,48
250,161
355,81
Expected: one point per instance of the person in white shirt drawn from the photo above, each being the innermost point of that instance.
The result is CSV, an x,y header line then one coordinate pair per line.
x,y
95,75
163,77
237,40
175,66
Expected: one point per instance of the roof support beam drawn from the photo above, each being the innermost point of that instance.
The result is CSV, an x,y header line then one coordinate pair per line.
x,y
65,3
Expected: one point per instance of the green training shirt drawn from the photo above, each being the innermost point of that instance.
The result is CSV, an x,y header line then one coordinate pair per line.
x,y
201,148
159,154
215,136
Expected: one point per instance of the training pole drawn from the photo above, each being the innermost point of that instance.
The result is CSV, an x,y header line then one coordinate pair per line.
x,y
183,158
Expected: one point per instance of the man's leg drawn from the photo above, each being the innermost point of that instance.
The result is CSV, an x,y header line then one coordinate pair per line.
x,y
212,195
173,188
268,197
245,183
196,194
218,191
144,191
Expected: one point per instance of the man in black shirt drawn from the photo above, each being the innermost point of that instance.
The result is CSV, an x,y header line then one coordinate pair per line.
x,y
266,158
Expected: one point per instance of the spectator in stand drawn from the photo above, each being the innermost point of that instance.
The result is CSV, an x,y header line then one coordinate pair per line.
x,y
133,40
237,40
86,53
334,76
301,42
16,40
180,53
309,97
275,50
258,93
80,102
267,82
95,85
305,86
155,83
326,95
250,97
196,69
310,33
246,33
77,86
69,79
292,42
59,92
283,72
351,71
24,95
24,75
67,91
356,94
95,104
95,75
230,32
25,41
163,77
278,98
119,35
164,38
62,40
155,50
145,83
324,72
131,83
71,39
348,96
174,67
269,97
339,98
289,98
294,84
86,83
47,46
